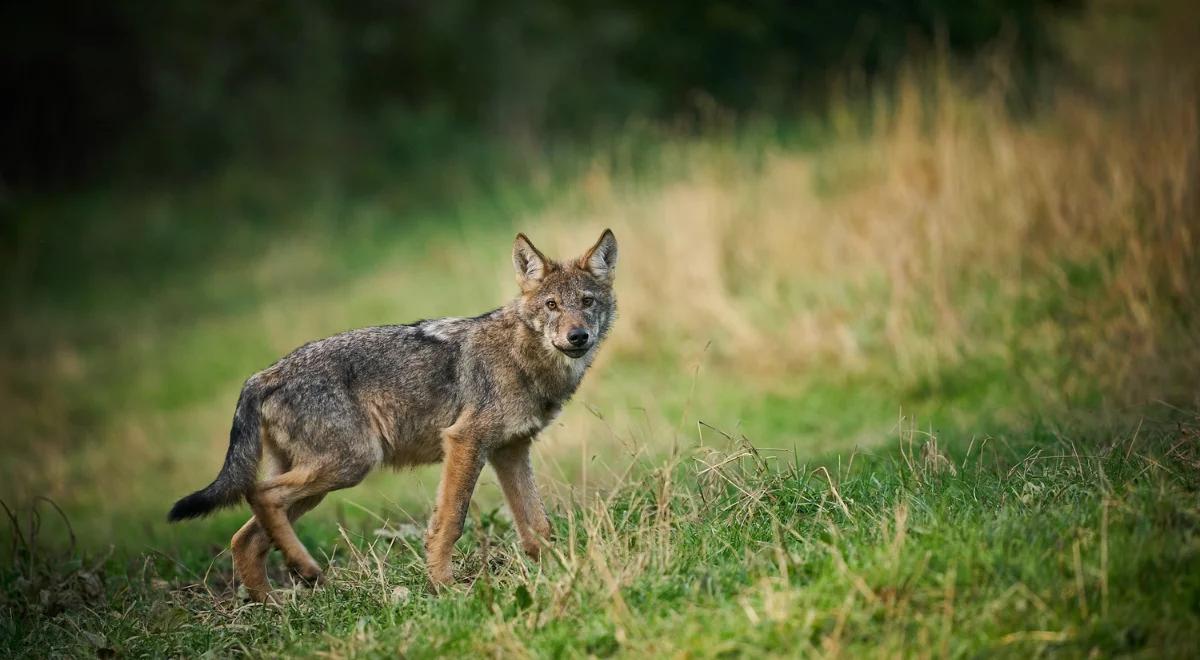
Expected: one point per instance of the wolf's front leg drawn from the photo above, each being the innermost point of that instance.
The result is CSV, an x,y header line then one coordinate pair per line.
x,y
463,459
513,468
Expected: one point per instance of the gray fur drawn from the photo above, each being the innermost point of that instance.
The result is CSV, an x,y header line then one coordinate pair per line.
x,y
342,406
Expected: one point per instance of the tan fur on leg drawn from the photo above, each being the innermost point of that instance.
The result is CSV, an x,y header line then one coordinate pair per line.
x,y
513,469
249,547
460,471
271,503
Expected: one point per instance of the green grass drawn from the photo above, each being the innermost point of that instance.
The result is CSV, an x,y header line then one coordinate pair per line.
x,y
1063,540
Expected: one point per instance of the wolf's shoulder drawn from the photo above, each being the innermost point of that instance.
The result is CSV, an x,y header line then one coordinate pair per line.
x,y
351,342
445,329
451,328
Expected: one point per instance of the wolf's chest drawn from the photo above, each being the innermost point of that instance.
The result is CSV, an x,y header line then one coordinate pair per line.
x,y
535,414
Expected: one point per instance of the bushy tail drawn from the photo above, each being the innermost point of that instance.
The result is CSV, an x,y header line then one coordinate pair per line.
x,y
240,471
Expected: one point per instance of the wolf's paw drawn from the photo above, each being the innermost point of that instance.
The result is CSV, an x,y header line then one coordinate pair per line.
x,y
311,575
263,596
441,579
532,549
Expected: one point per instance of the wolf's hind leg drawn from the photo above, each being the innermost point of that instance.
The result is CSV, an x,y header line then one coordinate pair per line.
x,y
279,500
515,473
300,508
251,545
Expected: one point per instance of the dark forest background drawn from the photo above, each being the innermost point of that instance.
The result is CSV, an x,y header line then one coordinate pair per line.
x,y
169,90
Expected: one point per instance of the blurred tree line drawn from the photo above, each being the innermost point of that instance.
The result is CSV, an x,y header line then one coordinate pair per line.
x,y
177,89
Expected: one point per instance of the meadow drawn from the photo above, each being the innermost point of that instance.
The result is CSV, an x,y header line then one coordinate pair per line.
x,y
912,376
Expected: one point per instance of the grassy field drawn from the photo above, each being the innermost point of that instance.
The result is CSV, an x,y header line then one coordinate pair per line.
x,y
914,377
1047,541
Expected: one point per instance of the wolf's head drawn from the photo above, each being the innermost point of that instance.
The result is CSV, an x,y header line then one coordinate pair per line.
x,y
570,303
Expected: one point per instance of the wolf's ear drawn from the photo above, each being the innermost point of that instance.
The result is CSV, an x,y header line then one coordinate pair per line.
x,y
601,260
530,264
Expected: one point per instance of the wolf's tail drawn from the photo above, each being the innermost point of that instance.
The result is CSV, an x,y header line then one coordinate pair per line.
x,y
240,470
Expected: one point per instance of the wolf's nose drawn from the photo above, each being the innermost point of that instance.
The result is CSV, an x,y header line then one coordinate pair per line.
x,y
577,337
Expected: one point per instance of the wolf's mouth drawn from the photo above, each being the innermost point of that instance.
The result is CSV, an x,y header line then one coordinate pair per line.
x,y
574,352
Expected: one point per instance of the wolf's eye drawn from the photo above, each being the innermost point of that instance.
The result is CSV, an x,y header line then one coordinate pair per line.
x,y
550,304
587,301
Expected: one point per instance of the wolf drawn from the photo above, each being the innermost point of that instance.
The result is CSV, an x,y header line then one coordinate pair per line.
x,y
460,391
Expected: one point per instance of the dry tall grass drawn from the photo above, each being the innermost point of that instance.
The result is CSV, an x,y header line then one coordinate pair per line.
x,y
947,231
